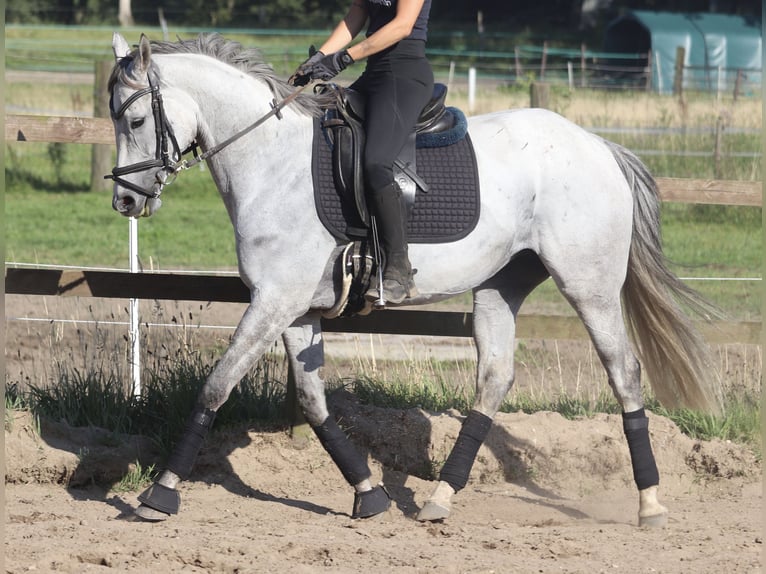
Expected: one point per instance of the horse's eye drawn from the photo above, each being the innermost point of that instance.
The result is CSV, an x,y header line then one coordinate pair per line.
x,y
137,123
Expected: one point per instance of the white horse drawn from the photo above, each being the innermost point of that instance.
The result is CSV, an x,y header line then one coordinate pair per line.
x,y
556,201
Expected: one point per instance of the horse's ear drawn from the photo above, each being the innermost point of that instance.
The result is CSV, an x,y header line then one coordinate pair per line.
x,y
144,55
120,47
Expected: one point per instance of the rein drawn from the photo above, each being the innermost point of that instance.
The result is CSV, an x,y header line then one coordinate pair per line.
x,y
164,134
276,110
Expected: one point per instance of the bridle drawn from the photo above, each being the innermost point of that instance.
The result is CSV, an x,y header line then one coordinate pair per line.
x,y
164,134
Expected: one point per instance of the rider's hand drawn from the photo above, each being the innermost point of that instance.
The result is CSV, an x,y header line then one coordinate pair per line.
x,y
302,75
330,66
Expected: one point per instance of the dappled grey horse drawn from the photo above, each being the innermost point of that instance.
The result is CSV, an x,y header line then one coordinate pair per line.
x,y
556,201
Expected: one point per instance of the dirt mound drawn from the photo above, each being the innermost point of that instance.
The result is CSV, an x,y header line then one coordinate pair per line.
x,y
541,451
45,451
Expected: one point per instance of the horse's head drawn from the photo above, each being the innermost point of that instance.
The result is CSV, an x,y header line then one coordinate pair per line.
x,y
149,144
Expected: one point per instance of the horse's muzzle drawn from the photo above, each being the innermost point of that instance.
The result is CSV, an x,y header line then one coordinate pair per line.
x,y
128,206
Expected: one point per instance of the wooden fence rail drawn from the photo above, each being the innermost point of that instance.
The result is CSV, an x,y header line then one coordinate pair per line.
x,y
31,128
227,289
110,284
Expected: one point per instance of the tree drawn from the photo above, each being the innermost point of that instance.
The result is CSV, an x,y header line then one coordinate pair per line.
x,y
125,14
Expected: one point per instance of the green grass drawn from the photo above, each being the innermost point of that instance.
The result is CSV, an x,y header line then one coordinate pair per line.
x,y
52,218
137,478
99,397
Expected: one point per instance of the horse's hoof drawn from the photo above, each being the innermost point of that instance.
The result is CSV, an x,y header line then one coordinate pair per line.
x,y
160,498
433,511
148,514
653,521
371,502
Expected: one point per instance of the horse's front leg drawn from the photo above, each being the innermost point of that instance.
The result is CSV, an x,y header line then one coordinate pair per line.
x,y
258,328
305,351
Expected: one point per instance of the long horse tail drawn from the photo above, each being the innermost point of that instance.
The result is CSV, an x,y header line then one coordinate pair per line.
x,y
673,353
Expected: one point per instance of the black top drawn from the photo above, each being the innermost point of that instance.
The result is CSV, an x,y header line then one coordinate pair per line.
x,y
383,11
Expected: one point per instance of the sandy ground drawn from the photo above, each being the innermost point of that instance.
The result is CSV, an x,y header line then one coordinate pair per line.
x,y
546,494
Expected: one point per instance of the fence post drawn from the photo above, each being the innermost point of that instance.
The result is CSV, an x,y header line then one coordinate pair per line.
x,y
471,89
539,95
101,155
649,71
583,69
544,60
678,77
719,127
737,84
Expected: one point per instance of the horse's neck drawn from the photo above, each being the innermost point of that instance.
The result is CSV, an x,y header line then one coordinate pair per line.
x,y
228,101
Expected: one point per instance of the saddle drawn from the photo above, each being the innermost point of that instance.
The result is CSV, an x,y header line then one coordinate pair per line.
x,y
436,171
343,126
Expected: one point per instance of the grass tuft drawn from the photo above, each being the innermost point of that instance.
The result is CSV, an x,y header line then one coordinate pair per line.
x,y
136,478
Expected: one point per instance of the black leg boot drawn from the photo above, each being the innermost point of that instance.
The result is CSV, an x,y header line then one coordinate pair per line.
x,y
390,212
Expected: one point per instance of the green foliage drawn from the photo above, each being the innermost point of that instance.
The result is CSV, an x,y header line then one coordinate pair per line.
x,y
740,421
137,478
424,394
171,392
100,398
92,398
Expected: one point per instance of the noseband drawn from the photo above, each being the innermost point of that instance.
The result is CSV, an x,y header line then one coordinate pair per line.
x,y
163,135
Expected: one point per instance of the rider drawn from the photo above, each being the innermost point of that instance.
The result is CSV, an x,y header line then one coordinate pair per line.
x,y
397,83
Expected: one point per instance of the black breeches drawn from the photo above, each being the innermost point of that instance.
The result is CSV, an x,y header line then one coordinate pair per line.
x,y
397,84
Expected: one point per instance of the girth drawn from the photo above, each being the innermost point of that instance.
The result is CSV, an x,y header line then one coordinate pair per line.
x,y
343,126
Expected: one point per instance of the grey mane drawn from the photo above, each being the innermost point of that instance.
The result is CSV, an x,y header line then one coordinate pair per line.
x,y
248,60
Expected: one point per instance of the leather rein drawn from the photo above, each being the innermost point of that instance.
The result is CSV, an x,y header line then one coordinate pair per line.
x,y
164,136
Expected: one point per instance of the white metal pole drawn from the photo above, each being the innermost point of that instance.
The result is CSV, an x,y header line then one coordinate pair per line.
x,y
135,340
720,85
660,87
471,89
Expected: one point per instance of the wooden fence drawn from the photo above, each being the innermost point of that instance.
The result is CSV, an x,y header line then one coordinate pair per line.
x,y
115,284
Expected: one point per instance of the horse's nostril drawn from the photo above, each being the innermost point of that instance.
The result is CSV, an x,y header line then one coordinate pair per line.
x,y
123,204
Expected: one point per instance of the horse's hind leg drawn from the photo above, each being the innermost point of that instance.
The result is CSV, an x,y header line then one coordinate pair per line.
x,y
303,341
496,304
600,309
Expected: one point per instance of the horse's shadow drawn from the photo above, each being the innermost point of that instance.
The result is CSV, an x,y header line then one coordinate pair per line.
x,y
104,459
401,444
214,467
103,462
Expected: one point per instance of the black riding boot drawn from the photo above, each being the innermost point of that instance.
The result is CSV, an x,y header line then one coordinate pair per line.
x,y
390,215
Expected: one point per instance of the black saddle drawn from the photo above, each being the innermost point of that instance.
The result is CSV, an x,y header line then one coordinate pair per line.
x,y
343,125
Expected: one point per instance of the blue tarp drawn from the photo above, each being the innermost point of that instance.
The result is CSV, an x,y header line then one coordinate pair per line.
x,y
717,46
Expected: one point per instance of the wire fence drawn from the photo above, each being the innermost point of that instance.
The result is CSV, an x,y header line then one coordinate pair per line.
x,y
575,68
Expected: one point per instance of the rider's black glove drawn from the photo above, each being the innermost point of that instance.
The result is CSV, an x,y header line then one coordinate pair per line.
x,y
302,75
330,66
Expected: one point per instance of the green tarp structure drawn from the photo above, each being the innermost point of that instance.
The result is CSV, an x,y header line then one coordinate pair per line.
x,y
719,47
